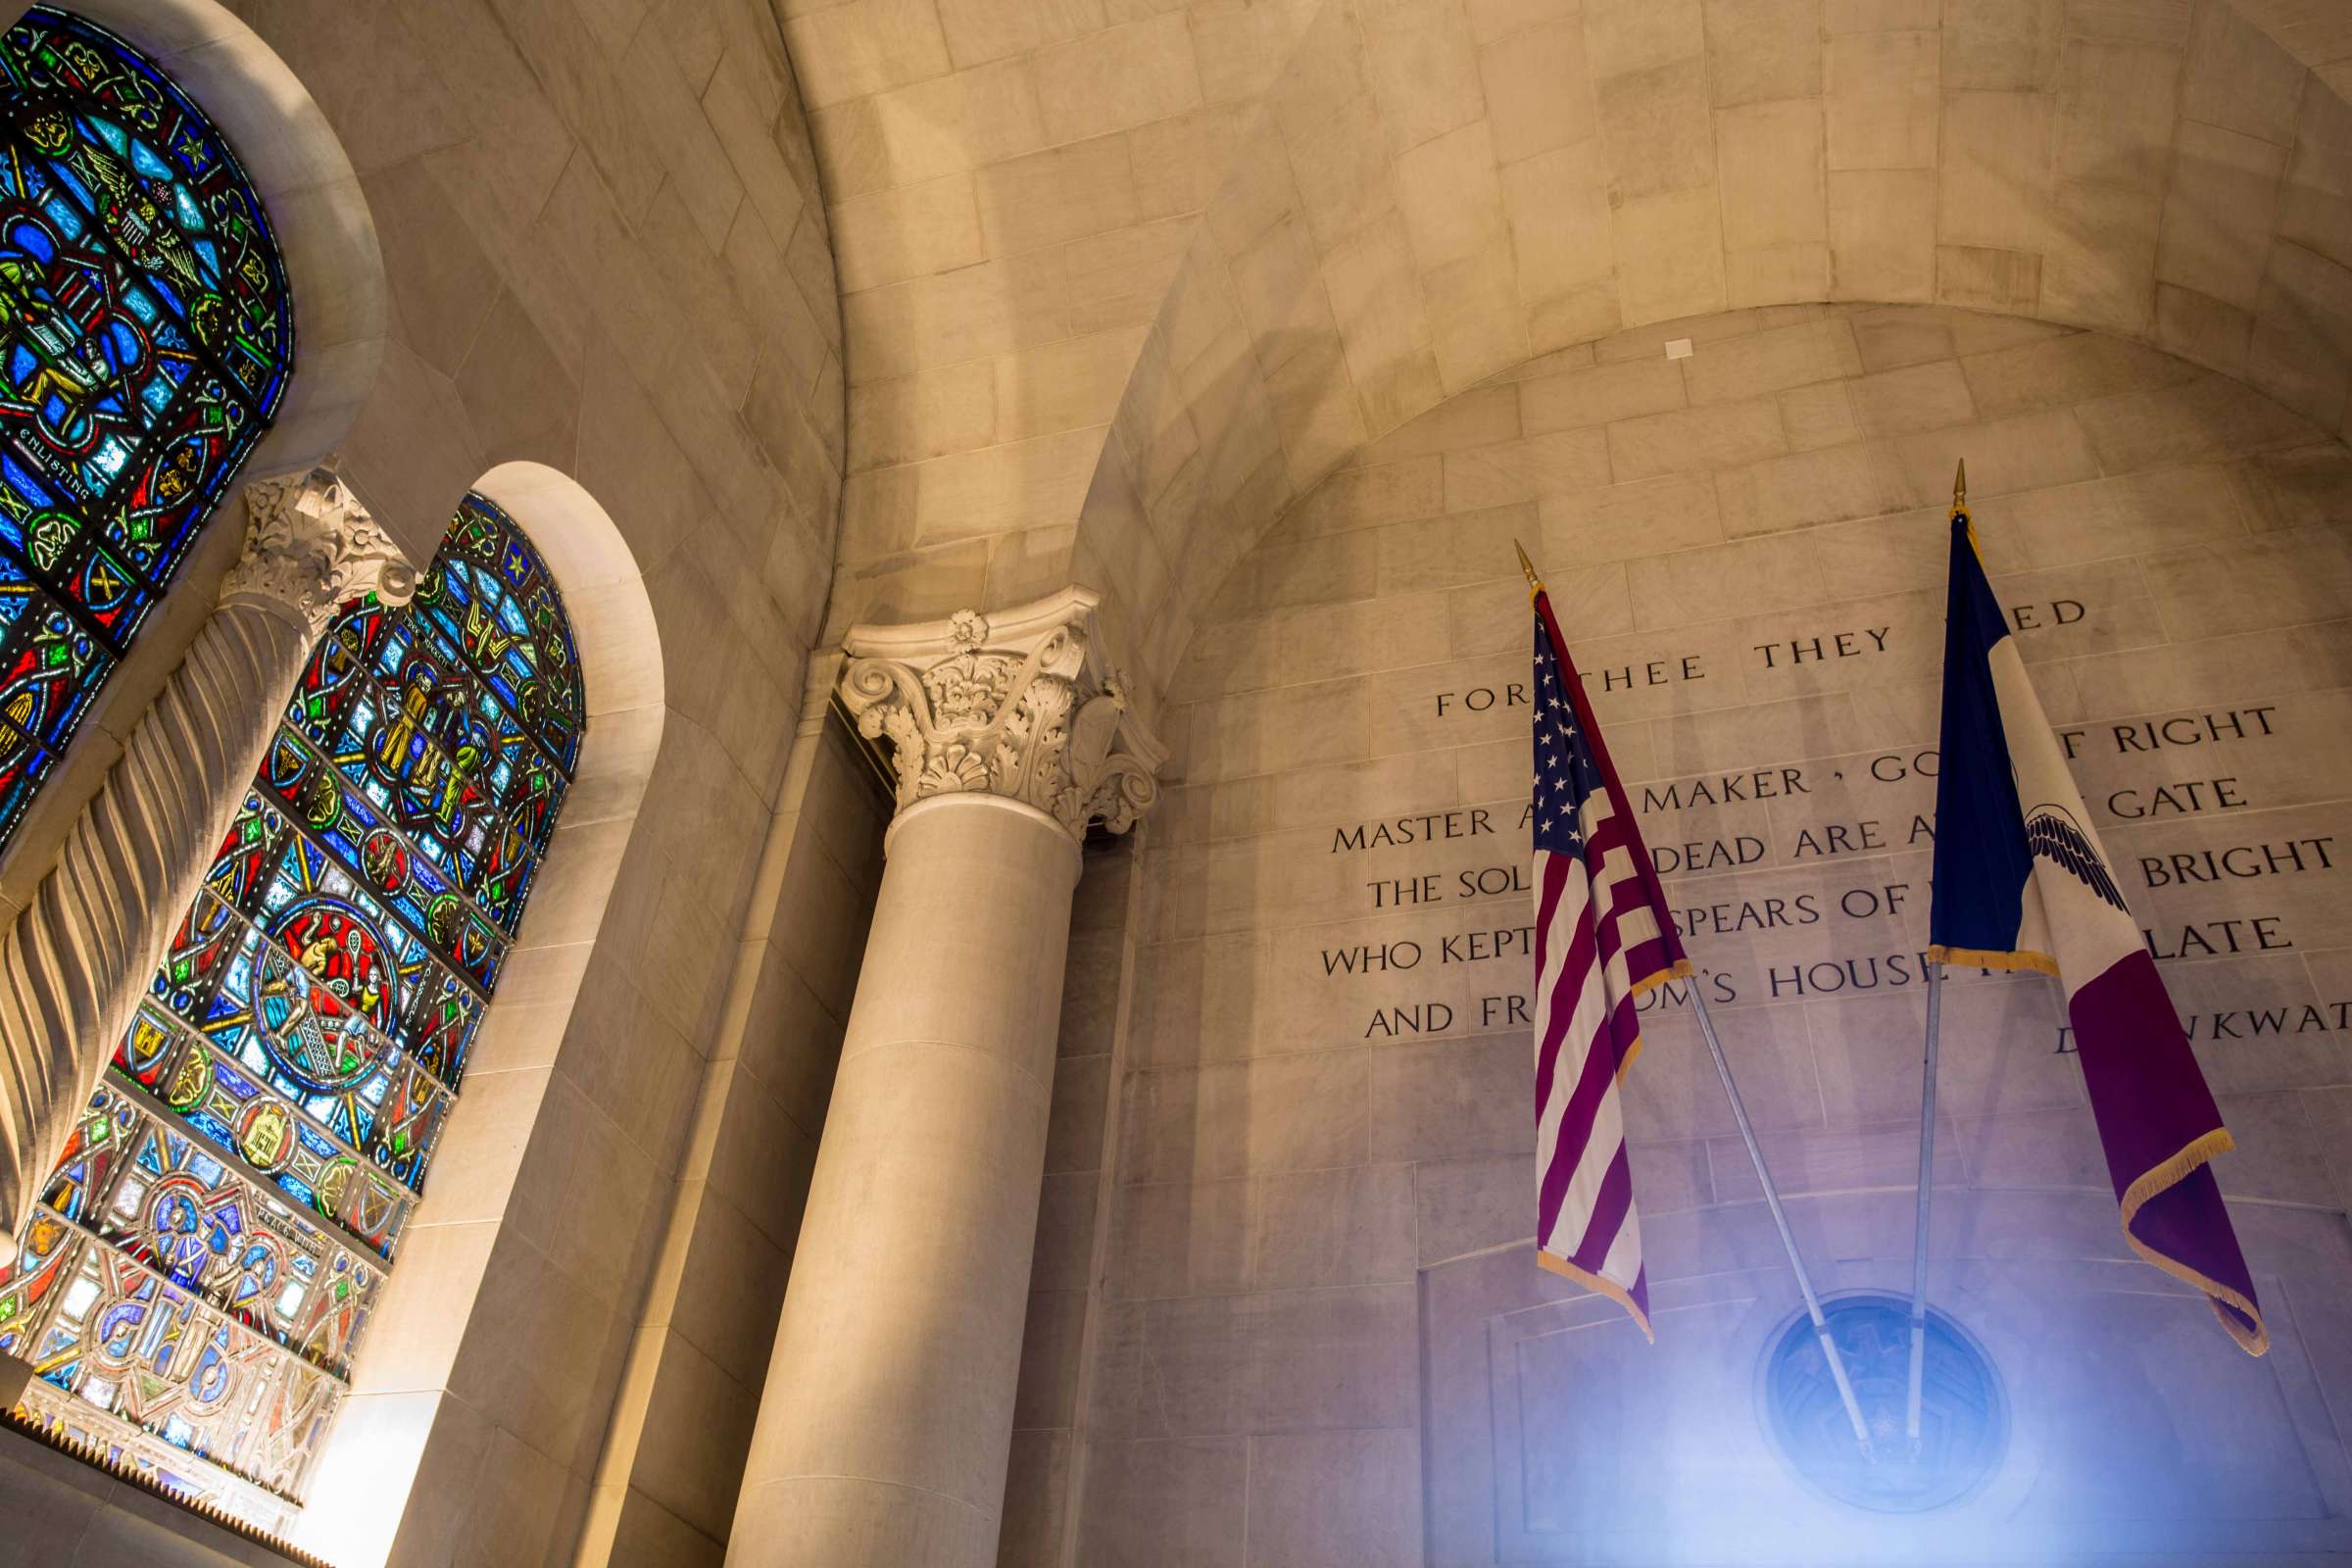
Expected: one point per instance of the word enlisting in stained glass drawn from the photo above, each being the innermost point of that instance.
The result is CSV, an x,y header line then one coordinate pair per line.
x,y
145,339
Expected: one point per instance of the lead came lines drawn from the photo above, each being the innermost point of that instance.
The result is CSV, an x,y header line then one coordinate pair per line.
x,y
281,1093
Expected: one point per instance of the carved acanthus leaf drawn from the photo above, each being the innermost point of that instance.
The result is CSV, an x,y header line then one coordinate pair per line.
x,y
310,548
1018,707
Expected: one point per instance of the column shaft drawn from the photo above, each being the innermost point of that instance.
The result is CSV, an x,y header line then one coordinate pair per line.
x,y
888,1414
887,1418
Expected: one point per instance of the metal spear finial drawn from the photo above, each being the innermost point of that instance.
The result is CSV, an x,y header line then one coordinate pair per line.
x,y
1960,486
1535,584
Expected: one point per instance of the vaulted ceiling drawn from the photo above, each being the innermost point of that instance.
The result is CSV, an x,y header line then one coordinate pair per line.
x,y
1122,279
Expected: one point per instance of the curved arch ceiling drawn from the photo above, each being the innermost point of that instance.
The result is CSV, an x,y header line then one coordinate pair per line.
x,y
1121,285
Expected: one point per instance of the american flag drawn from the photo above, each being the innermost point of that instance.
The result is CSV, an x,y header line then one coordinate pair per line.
x,y
1603,935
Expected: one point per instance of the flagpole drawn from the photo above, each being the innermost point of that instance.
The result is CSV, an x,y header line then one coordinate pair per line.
x,y
1780,1218
1755,1154
1927,1144
1919,1229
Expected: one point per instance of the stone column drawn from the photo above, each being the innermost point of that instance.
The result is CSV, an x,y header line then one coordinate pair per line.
x,y
78,959
888,1416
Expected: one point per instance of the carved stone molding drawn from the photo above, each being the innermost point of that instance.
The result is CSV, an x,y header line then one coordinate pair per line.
x,y
1018,704
310,548
75,962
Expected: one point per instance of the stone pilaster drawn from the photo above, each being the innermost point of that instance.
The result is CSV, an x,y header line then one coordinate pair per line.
x,y
887,1422
75,962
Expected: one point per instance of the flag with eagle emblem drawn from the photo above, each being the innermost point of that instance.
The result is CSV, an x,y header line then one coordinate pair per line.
x,y
2022,883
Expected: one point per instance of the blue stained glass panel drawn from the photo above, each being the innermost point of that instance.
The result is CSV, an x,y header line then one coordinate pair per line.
x,y
145,338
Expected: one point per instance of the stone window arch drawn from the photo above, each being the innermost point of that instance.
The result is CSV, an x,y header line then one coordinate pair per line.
x,y
213,1241
146,341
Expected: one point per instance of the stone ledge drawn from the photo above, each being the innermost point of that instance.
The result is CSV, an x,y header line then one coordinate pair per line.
x,y
51,1476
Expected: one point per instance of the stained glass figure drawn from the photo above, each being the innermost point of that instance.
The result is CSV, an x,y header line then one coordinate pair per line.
x,y
213,1238
145,338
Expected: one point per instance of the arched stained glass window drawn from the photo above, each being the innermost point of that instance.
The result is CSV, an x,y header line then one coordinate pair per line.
x,y
212,1241
145,338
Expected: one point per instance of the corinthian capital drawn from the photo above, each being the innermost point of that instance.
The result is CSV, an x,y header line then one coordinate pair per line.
x,y
1020,703
310,548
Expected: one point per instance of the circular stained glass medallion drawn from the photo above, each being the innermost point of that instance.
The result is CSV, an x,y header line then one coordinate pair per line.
x,y
318,983
345,954
1964,1414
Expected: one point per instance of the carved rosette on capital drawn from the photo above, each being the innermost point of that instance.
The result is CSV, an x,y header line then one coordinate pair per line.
x,y
75,962
1020,705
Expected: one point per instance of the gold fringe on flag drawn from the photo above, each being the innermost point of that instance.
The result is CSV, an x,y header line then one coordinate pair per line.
x,y
2023,961
1680,969
1598,1286
2160,1178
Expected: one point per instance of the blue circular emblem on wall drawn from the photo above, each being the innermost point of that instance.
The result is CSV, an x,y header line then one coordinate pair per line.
x,y
1964,1415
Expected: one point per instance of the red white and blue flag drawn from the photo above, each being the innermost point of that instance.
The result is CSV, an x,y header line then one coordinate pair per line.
x,y
1603,935
2022,882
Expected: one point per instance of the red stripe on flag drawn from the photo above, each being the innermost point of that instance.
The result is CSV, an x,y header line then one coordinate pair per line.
x,y
1610,1206
1557,871
1570,1138
1597,1077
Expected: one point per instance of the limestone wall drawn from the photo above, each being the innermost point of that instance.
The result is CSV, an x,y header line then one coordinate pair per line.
x,y
1013,185
1326,1339
1442,189
1067,1283
673,1451
65,1509
1122,282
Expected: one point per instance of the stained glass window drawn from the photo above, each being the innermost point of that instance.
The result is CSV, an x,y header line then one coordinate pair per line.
x,y
145,338
213,1238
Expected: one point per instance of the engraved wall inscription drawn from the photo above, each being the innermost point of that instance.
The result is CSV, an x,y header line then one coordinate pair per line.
x,y
1326,1136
